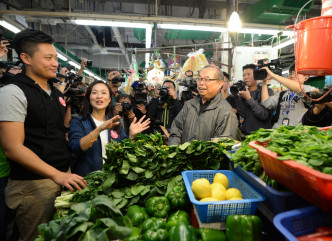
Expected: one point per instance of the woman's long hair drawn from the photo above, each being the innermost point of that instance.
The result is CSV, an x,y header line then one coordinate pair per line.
x,y
87,108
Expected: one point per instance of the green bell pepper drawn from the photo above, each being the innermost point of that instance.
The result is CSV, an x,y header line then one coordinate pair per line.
x,y
135,236
136,215
178,197
243,228
182,232
177,217
209,234
158,207
154,229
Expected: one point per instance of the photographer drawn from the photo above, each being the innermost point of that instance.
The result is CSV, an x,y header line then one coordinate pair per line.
x,y
248,102
115,80
124,108
289,105
62,76
164,109
190,85
139,99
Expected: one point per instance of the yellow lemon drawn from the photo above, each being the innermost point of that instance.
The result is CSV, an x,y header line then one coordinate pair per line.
x,y
208,199
217,186
233,193
219,194
235,198
201,188
222,179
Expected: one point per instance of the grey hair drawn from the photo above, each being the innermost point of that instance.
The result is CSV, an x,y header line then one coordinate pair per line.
x,y
219,71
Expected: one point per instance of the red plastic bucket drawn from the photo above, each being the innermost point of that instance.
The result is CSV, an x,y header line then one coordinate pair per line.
x,y
314,46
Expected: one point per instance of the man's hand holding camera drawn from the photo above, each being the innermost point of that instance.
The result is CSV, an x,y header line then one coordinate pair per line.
x,y
3,48
245,94
319,107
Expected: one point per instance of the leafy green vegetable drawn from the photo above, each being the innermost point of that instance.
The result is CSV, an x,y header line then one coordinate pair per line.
x,y
98,219
136,170
303,144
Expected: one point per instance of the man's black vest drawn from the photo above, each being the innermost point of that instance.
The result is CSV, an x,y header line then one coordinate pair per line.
x,y
43,126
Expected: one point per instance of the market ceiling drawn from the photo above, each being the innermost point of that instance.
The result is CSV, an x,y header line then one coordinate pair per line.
x,y
56,18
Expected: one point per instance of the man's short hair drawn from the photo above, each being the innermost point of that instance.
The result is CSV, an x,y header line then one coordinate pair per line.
x,y
219,72
113,70
292,68
27,41
169,81
249,66
122,96
226,75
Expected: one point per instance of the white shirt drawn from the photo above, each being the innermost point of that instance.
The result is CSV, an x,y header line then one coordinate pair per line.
x,y
103,137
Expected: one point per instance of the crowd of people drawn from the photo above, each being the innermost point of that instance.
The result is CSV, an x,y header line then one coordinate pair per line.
x,y
52,139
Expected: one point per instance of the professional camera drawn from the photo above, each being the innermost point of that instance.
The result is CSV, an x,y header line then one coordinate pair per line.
x,y
73,78
75,95
190,84
163,93
320,93
274,66
126,106
238,86
118,79
139,96
89,63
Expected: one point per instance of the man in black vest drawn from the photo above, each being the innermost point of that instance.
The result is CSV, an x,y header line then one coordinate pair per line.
x,y
32,135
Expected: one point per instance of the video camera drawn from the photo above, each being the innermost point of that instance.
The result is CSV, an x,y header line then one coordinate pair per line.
x,y
274,66
118,79
73,78
238,86
190,84
75,95
139,96
320,93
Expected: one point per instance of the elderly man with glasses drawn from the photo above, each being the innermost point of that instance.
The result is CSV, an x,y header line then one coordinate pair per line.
x,y
206,116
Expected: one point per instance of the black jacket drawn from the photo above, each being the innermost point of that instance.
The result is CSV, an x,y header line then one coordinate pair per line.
x,y
254,114
324,118
164,112
43,126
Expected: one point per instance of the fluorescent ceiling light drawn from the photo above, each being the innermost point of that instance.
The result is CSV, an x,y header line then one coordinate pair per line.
x,y
148,36
111,23
192,27
266,31
97,77
9,26
74,64
284,44
234,24
60,56
88,72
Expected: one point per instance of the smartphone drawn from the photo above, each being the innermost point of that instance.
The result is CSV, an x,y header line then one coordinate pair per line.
x,y
89,63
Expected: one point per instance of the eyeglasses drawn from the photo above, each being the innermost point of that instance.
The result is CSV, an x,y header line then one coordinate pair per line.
x,y
206,79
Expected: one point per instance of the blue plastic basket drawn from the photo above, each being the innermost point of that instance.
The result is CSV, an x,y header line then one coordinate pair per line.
x,y
275,201
301,221
210,212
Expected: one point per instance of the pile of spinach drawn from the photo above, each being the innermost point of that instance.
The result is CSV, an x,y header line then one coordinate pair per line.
x,y
308,146
304,144
138,169
98,219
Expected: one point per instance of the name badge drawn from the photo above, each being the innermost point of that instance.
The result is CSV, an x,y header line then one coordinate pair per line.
x,y
285,121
